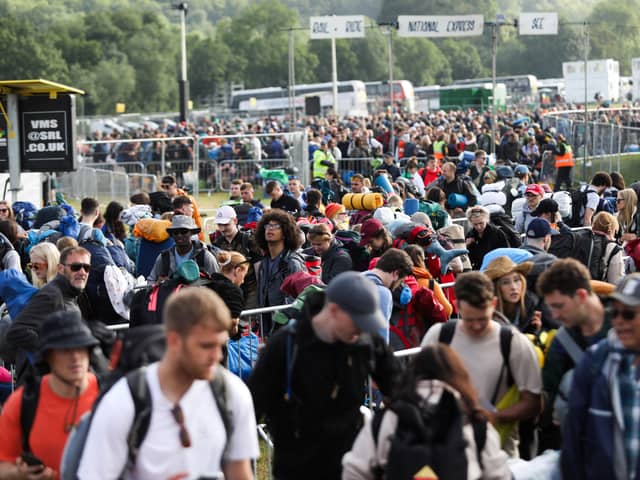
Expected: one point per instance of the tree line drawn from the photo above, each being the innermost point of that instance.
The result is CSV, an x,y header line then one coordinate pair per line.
x,y
120,51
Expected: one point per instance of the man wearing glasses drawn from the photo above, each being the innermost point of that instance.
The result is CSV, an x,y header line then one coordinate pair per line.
x,y
60,294
193,432
185,248
601,435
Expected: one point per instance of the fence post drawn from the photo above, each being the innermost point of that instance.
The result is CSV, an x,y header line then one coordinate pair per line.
x,y
162,159
196,167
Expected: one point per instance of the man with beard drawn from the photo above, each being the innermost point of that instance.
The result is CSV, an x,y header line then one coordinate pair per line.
x,y
187,436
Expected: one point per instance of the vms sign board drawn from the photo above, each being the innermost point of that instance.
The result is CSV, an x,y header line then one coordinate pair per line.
x,y
47,134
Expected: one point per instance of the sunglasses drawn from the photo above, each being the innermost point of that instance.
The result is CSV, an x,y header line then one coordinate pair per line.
x,y
180,231
76,267
178,416
618,200
166,186
4,210
272,226
36,265
625,313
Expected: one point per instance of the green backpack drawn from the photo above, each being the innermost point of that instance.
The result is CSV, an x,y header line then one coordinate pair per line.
x,y
436,213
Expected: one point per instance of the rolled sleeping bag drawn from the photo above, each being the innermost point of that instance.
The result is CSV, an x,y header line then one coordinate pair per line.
x,y
362,201
411,206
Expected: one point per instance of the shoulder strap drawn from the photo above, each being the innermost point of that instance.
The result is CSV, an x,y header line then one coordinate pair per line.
x,y
165,263
292,353
432,283
199,257
221,396
505,350
569,344
83,233
28,408
447,331
480,437
506,334
141,395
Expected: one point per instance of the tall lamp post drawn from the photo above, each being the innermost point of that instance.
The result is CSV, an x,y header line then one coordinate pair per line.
x,y
388,31
183,83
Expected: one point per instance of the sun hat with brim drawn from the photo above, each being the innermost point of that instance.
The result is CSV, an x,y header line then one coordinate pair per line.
x,y
627,290
64,330
182,222
502,266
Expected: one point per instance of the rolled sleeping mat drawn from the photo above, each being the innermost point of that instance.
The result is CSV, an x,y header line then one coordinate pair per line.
x,y
383,182
457,200
362,201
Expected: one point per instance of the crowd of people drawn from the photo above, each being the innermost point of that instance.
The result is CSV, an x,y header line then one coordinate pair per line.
x,y
517,291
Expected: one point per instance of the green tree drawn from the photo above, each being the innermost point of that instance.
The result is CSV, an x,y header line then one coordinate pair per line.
x,y
420,61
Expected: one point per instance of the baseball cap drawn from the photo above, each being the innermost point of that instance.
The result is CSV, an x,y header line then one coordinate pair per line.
x,y
369,229
628,290
535,189
546,205
225,214
358,297
538,228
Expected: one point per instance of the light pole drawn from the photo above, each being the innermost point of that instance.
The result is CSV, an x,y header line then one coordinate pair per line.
x,y
292,79
183,83
389,32
586,102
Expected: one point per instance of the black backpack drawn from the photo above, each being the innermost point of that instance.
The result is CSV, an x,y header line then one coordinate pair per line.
x,y
586,247
505,224
428,436
351,244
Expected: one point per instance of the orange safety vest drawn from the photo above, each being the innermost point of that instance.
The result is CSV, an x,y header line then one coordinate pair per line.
x,y
565,160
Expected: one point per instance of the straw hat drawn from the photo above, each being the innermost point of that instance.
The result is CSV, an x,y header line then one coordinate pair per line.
x,y
502,266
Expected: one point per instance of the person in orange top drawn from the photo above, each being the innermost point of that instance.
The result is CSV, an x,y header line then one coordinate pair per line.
x,y
170,187
63,397
425,279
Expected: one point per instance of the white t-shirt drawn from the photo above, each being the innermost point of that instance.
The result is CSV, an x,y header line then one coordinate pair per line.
x,y
483,360
593,199
161,454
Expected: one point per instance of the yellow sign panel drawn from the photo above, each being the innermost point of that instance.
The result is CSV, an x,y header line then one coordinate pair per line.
x,y
121,107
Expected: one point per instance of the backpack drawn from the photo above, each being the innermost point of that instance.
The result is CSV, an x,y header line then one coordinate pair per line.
x,y
561,402
436,213
579,203
165,265
141,395
24,214
428,441
505,224
47,214
351,244
586,247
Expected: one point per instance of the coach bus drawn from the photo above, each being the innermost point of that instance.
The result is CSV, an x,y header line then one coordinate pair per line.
x,y
352,98
520,88
427,98
403,95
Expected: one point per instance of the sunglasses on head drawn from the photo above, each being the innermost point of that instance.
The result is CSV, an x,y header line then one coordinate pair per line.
x,y
76,267
626,313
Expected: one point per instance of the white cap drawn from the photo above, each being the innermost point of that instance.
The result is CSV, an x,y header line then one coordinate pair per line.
x,y
225,214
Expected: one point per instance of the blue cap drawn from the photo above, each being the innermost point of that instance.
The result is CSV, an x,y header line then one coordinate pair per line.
x,y
538,228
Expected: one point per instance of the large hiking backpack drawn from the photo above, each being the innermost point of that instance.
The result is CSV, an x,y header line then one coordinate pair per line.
x,y
435,212
504,223
351,243
428,441
101,306
148,338
587,247
579,203
24,214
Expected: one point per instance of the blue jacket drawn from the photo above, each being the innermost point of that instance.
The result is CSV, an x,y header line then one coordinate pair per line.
x,y
594,436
